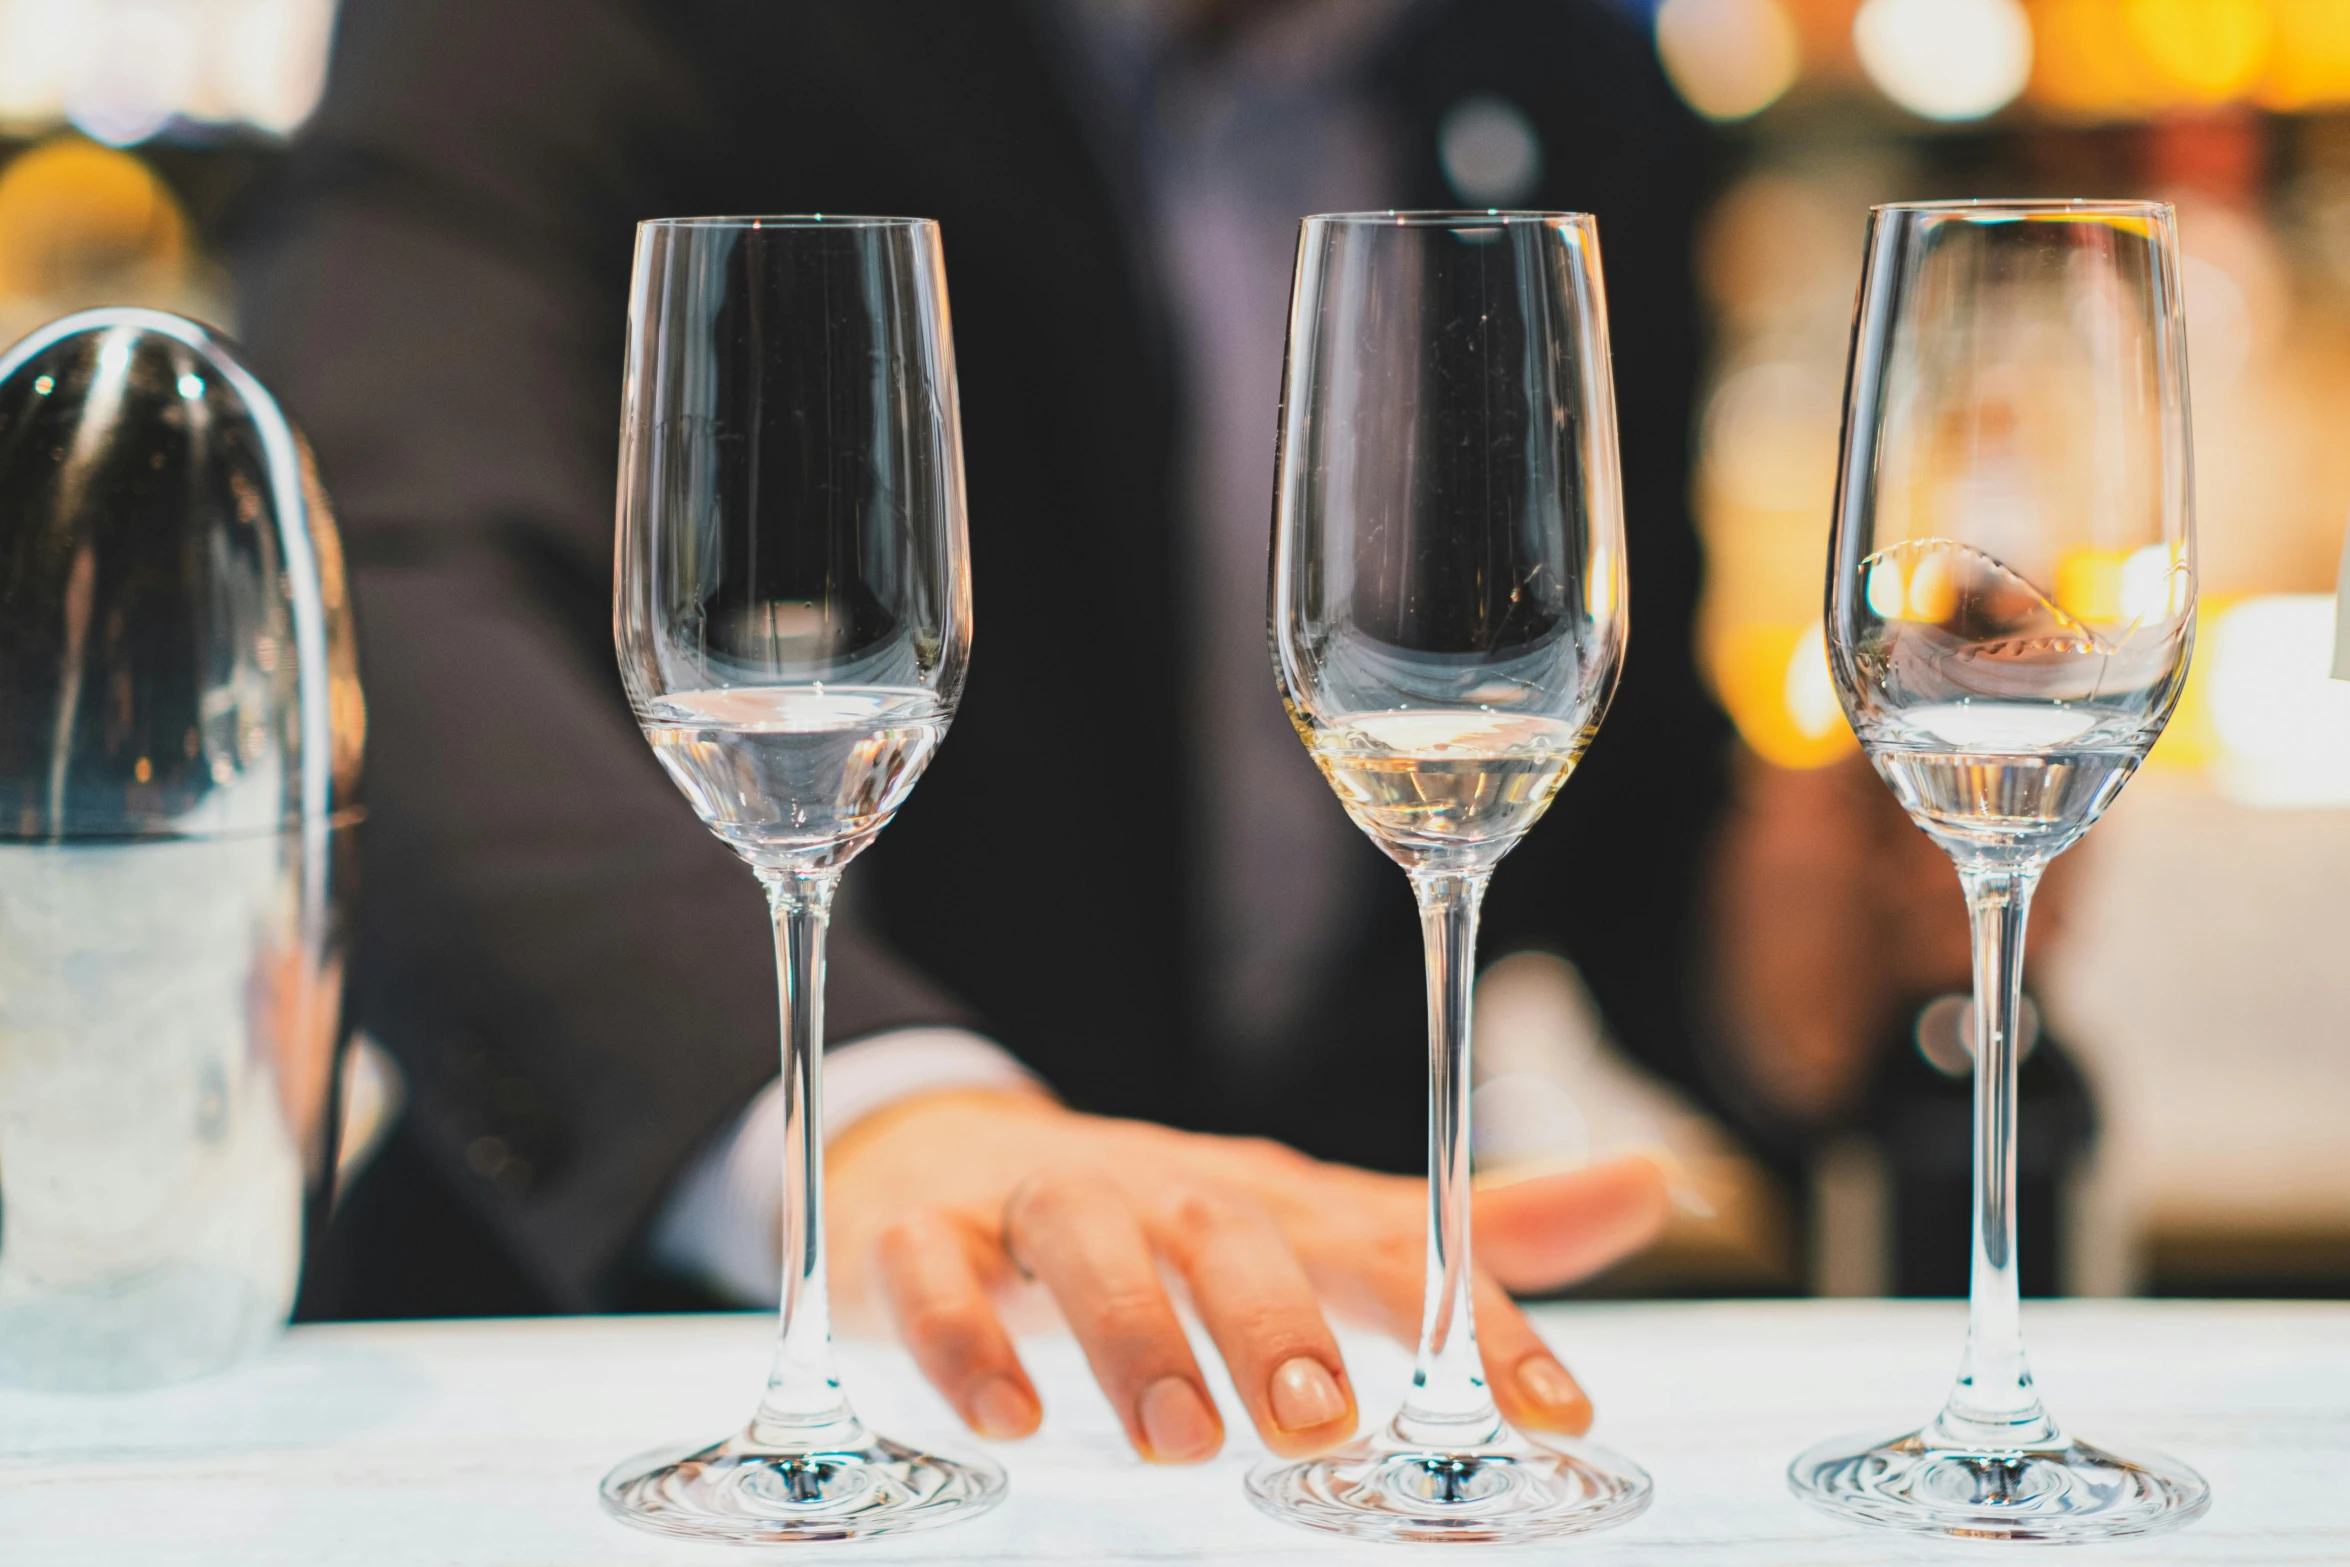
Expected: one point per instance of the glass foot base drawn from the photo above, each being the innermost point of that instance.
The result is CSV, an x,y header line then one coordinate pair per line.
x,y
2066,1492
742,1492
1384,1488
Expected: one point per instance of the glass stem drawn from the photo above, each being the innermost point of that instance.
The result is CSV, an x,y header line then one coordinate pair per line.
x,y
803,1409
1448,1407
1992,1406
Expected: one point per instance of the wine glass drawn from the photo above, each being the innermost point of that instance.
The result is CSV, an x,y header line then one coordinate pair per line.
x,y
792,608
1447,620
2011,606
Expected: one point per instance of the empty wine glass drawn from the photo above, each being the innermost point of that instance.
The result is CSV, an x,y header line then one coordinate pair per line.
x,y
1447,623
2011,606
792,607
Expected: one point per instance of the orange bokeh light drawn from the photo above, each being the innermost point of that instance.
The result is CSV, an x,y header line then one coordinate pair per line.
x,y
2125,59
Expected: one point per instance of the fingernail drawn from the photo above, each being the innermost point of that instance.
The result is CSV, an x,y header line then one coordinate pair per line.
x,y
1305,1395
1177,1422
1002,1408
1547,1385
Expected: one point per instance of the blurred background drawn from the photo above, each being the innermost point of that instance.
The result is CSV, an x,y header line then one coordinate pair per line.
x,y
2202,980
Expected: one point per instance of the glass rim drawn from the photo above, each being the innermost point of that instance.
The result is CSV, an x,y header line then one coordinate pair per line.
x,y
1442,217
788,220
2087,206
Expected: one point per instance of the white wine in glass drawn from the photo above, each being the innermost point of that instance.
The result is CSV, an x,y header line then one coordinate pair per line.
x,y
792,608
1447,624
1426,785
2011,608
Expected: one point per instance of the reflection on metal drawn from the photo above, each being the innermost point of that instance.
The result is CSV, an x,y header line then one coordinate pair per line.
x,y
181,730
375,1091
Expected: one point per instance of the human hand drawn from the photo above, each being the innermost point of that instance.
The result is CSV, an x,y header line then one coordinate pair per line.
x,y
942,1210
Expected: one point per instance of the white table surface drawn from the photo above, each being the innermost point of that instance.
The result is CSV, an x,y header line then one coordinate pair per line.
x,y
479,1443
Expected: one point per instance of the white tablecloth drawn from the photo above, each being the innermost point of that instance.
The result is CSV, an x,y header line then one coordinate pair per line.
x,y
480,1443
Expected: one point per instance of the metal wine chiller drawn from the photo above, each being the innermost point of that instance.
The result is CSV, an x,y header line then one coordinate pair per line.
x,y
180,736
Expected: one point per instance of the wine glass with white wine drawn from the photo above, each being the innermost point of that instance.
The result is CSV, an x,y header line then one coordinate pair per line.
x,y
792,607
1447,621
2011,607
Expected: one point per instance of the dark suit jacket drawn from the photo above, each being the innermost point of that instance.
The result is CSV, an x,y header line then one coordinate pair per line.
x,y
574,976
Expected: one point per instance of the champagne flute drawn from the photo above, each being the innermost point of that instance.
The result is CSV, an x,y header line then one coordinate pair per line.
x,y
1447,621
2011,607
792,608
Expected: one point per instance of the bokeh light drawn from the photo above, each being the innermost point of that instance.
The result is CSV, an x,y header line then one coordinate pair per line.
x,y
270,61
2309,59
123,71
134,66
1777,261
1945,59
2119,59
2205,51
1728,58
1491,153
2283,723
1767,469
73,211
2236,293
83,224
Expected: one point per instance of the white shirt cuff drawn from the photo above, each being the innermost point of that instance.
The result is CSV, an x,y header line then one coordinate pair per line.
x,y
723,1224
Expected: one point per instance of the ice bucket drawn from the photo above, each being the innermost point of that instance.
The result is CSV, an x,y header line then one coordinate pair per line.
x,y
180,736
